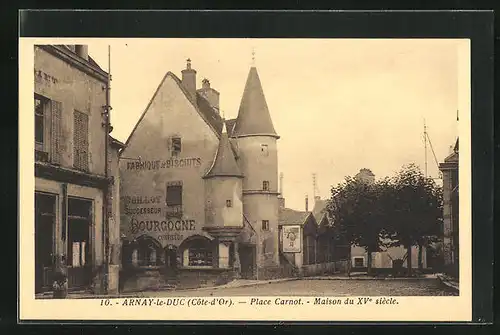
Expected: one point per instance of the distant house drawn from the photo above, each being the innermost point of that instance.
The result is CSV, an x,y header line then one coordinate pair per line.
x,y
331,247
308,232
386,257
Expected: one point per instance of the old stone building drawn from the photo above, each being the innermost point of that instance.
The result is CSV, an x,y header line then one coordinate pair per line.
x,y
199,194
72,232
449,169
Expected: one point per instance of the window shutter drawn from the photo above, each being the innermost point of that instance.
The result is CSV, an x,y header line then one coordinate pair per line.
x,y
55,143
80,141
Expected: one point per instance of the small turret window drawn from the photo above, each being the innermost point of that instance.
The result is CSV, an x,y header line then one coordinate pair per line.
x,y
229,203
264,149
265,225
265,185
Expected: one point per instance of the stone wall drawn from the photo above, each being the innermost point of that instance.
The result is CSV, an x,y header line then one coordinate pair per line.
x,y
325,268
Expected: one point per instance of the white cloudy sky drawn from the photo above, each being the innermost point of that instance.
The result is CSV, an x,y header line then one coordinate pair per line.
x,y
339,105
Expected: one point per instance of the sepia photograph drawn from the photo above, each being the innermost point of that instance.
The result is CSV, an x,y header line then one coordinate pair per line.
x,y
284,172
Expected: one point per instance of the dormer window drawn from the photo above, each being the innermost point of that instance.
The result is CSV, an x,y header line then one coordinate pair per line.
x,y
229,203
176,146
265,185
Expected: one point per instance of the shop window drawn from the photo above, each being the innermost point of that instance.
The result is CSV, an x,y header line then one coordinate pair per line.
x,y
359,262
229,203
265,225
176,146
200,253
265,185
81,141
148,255
79,224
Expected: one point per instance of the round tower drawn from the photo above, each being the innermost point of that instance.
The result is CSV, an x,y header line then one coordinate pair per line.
x,y
224,206
256,142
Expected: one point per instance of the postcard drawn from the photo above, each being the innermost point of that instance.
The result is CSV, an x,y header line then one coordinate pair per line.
x,y
245,179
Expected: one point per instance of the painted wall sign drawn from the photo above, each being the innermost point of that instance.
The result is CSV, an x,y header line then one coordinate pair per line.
x,y
142,210
41,76
292,241
164,164
139,200
137,226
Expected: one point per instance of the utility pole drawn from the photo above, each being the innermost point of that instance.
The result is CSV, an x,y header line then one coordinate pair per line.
x,y
425,147
107,203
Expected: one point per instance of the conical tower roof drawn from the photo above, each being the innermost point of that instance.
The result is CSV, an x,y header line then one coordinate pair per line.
x,y
253,116
224,164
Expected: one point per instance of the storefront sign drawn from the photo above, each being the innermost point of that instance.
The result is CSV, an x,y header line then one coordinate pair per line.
x,y
137,226
292,241
164,164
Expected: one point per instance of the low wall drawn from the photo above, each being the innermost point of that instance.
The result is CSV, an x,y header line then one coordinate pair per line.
x,y
277,272
325,268
155,278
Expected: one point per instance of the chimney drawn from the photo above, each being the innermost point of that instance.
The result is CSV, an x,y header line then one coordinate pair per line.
x,y
189,78
307,203
82,51
210,94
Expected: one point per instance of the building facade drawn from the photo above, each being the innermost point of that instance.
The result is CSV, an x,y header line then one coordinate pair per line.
x,y
199,198
449,169
72,232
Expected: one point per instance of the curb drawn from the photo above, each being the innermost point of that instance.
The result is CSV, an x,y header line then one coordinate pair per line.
x,y
448,283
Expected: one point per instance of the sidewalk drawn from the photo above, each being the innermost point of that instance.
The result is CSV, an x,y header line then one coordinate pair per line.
x,y
238,283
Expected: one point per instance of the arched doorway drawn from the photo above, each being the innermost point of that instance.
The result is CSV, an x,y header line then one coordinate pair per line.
x,y
172,262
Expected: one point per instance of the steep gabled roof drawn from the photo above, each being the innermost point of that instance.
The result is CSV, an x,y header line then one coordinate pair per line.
x,y
224,164
319,209
202,106
288,216
253,115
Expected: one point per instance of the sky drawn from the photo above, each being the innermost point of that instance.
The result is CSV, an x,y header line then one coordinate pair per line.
x,y
339,105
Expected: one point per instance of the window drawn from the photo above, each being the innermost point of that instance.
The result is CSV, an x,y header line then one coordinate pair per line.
x,y
176,146
79,223
229,203
81,141
174,195
264,149
265,225
359,262
200,253
265,185
40,105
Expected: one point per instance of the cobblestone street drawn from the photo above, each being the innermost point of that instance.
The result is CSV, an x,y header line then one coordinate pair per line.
x,y
394,287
